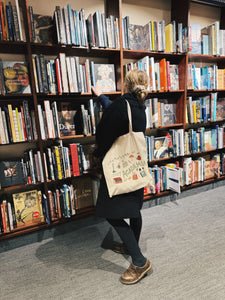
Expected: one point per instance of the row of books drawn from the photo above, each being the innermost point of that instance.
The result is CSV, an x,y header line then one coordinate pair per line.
x,y
208,108
172,177
165,178
25,209
205,78
10,21
162,74
17,123
160,112
31,207
68,118
65,200
65,162
27,170
204,139
208,40
203,168
67,75
169,144
73,28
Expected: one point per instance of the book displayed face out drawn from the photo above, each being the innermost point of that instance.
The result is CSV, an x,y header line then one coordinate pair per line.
x,y
11,173
16,79
160,147
105,77
67,119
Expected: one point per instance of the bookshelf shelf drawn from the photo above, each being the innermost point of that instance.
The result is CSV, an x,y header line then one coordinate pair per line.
x,y
53,49
137,54
11,47
20,187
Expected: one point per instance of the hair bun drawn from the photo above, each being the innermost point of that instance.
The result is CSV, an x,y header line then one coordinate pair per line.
x,y
139,88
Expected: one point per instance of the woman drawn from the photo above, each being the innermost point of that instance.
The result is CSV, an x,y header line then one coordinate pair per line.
x,y
114,123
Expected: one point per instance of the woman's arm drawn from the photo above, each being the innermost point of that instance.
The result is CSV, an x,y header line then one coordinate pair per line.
x,y
104,100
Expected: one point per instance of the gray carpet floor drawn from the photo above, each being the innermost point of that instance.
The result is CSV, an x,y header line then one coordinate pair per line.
x,y
184,239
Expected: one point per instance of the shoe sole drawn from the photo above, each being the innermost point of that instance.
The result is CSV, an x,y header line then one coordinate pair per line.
x,y
149,270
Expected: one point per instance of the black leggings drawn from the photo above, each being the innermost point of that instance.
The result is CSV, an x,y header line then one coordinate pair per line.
x,y
130,235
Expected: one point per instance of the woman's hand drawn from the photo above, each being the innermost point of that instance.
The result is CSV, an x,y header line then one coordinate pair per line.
x,y
97,91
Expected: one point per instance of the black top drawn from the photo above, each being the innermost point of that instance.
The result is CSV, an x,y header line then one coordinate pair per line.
x,y
113,124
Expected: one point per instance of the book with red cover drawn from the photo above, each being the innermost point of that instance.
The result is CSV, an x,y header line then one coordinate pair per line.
x,y
74,160
163,78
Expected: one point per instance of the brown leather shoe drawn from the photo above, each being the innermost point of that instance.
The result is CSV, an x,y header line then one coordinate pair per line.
x,y
120,248
133,274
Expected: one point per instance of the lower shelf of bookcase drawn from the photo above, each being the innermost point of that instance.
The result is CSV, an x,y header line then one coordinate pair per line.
x,y
81,213
84,212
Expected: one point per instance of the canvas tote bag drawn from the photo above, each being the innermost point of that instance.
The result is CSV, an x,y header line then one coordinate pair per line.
x,y
125,165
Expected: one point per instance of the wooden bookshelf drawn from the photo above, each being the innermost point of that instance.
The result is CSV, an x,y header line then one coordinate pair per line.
x,y
179,11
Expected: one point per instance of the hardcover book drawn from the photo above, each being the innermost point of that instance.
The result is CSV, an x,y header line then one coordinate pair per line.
x,y
28,209
11,173
104,77
15,77
83,192
137,37
160,147
169,113
66,116
44,29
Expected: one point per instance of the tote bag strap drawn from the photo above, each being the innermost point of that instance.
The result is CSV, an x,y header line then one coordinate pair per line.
x,y
129,116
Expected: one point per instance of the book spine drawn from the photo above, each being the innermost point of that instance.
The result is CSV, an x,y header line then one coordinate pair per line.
x,y
62,58
74,160
44,77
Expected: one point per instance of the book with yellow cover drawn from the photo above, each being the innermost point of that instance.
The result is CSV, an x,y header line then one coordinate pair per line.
x,y
28,208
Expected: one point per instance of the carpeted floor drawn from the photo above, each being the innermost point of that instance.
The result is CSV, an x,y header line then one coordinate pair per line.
x,y
184,239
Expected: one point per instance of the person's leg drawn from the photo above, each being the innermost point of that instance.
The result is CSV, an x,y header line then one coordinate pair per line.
x,y
128,237
136,225
140,266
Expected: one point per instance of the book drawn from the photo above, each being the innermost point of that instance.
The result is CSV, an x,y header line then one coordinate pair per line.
x,y
44,29
28,209
169,113
160,147
66,117
220,109
104,77
83,192
11,173
137,37
16,79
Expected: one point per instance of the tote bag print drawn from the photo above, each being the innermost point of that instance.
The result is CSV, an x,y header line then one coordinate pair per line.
x,y
125,164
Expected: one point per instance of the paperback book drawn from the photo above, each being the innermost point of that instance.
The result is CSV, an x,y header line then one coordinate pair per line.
x,y
28,208
15,77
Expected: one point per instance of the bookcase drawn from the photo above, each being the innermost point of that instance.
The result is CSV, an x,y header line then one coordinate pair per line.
x,y
185,12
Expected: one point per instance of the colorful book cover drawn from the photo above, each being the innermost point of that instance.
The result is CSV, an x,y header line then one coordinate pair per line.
x,y
105,77
207,140
28,209
16,79
220,109
195,38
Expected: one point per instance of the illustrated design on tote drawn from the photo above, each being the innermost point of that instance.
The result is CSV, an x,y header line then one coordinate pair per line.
x,y
127,167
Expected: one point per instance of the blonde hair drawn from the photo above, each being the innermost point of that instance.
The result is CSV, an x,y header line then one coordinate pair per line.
x,y
137,82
